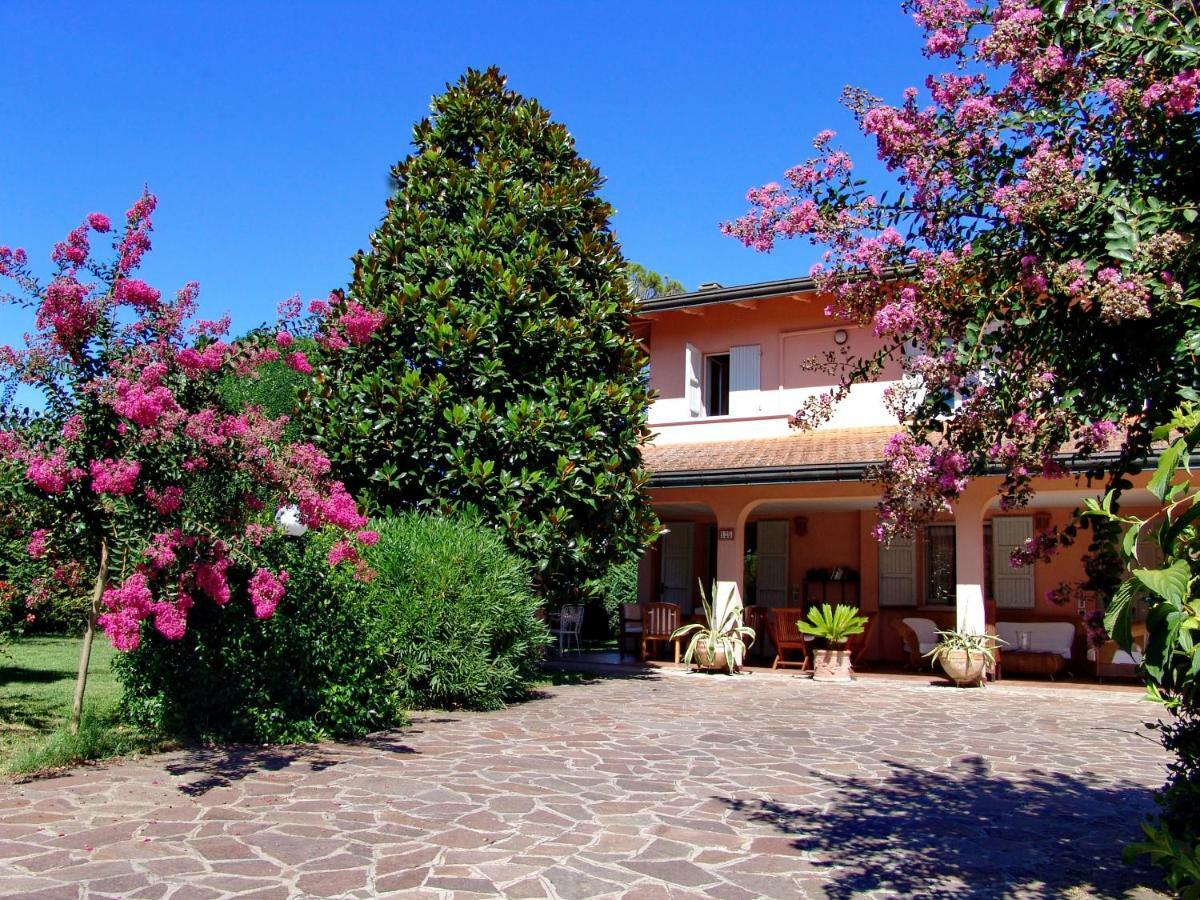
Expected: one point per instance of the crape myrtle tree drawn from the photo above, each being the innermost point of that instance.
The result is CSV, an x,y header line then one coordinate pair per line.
x,y
133,484
503,376
1040,264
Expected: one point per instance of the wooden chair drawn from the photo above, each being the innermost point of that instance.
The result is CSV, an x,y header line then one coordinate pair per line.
x,y
756,617
785,636
631,627
659,621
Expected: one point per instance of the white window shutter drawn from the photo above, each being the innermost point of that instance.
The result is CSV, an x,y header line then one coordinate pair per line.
x,y
898,572
745,380
691,380
1014,587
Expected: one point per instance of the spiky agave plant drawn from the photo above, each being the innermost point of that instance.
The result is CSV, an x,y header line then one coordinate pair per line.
x,y
724,631
836,624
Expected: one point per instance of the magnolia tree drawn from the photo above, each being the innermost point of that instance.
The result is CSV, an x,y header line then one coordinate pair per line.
x,y
131,477
1036,272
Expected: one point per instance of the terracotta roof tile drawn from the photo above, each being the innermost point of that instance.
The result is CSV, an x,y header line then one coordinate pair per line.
x,y
827,447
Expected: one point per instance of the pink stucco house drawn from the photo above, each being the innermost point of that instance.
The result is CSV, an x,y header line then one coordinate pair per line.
x,y
784,517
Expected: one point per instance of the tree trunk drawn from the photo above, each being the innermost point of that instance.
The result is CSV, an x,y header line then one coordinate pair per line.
x,y
85,652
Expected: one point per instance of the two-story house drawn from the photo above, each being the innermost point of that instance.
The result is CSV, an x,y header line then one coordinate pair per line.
x,y
784,517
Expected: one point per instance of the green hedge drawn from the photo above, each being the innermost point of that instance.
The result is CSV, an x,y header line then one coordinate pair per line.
x,y
457,607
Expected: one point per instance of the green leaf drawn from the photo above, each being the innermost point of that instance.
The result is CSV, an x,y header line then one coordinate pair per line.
x,y
1170,583
1168,462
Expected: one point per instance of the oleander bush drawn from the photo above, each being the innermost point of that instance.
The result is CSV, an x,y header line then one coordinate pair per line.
x,y
457,612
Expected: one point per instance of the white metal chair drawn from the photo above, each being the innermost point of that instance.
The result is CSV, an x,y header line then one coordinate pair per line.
x,y
570,623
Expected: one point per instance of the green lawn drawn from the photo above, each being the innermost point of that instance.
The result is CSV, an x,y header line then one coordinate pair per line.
x,y
37,678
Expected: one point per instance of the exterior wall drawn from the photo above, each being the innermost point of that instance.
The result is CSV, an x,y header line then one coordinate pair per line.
x,y
789,330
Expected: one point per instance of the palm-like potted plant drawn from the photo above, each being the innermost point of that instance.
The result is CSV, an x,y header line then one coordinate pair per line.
x,y
720,642
965,656
836,625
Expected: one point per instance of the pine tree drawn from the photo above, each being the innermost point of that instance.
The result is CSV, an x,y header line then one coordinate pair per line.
x,y
504,378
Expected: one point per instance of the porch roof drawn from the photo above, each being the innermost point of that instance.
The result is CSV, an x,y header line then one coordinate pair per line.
x,y
834,454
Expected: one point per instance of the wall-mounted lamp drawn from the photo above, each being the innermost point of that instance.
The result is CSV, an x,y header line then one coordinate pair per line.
x,y
840,336
1041,521
800,524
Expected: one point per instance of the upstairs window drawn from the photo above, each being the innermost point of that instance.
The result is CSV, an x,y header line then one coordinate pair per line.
x,y
716,385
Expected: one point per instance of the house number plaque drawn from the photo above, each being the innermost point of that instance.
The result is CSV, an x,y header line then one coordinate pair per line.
x,y
725,534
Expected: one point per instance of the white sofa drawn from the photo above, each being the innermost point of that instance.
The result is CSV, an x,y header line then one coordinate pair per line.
x,y
926,631
1044,637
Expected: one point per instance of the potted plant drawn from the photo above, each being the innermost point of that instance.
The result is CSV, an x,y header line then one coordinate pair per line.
x,y
836,625
965,656
721,640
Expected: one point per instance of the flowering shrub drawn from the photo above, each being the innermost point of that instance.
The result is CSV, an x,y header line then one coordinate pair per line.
x,y
314,669
146,486
1041,267
1042,257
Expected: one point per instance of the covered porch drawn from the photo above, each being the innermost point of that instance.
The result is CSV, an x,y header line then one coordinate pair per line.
x,y
793,544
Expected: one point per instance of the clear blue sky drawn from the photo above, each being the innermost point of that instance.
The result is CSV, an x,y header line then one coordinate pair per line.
x,y
267,129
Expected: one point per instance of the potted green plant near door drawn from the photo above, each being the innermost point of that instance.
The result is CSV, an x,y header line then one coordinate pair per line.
x,y
835,625
720,642
965,656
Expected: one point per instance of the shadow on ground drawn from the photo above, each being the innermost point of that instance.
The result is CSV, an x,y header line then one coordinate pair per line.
x,y
220,767
966,833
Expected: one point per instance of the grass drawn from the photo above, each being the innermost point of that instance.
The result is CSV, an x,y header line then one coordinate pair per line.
x,y
37,680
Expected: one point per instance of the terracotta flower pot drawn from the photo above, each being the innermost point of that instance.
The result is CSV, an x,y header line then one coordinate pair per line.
x,y
712,661
832,664
963,668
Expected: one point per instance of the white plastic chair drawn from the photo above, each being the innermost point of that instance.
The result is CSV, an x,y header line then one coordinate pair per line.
x,y
570,623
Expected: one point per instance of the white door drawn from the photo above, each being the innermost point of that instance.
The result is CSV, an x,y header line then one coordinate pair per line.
x,y
677,571
693,360
1014,587
745,380
772,580
898,572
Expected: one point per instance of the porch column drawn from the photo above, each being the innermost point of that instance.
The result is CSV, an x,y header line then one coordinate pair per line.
x,y
731,554
969,560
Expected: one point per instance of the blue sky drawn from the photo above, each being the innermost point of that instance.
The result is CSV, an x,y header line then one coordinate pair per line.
x,y
267,130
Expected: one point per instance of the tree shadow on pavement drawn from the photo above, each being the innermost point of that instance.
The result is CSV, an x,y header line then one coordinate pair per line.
x,y
220,767
966,832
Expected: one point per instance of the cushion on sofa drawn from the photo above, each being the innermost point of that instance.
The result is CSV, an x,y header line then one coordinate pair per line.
x,y
1044,637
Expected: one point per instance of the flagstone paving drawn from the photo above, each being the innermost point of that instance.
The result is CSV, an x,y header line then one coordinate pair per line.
x,y
667,787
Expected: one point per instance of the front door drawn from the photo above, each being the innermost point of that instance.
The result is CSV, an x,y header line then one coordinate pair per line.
x,y
677,571
772,574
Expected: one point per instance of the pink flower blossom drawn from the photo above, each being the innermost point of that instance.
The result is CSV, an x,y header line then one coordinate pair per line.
x,y
116,477
283,339
37,543
212,580
170,620
137,294
72,428
299,362
360,323
266,590
367,538
128,604
99,222
166,502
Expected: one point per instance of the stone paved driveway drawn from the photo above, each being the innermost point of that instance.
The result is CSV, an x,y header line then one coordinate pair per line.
x,y
678,786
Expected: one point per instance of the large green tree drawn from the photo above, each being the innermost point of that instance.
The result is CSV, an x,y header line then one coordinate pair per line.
x,y
502,375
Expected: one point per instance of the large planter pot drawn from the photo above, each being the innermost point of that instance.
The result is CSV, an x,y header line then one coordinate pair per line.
x,y
712,662
963,667
832,664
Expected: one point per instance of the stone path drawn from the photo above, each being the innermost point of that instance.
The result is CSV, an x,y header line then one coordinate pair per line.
x,y
667,787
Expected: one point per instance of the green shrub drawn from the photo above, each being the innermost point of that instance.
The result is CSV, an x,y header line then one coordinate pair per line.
x,y
311,671
458,612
